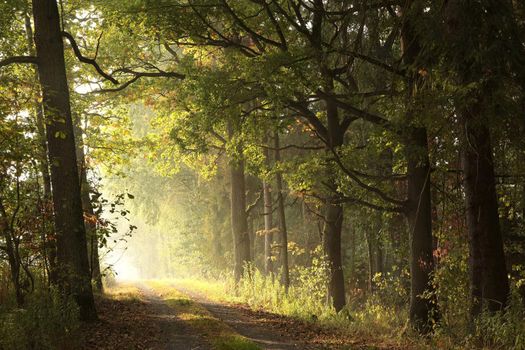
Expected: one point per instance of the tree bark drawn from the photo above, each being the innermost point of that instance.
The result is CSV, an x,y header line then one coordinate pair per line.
x,y
283,233
370,256
12,254
332,248
241,238
90,218
419,214
489,281
418,208
268,218
333,221
48,245
239,217
72,259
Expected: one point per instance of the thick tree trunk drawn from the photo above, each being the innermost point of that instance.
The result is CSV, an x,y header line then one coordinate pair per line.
x,y
522,258
268,224
283,233
48,245
239,222
419,214
332,248
72,259
239,216
489,281
333,213
241,239
419,207
333,221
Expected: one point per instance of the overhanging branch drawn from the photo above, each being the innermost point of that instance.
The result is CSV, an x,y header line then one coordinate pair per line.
x,y
135,75
87,60
18,60
138,75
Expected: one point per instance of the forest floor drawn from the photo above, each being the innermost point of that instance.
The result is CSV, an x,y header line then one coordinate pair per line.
x,y
161,315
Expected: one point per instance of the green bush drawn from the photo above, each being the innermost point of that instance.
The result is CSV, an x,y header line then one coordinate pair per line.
x,y
306,297
502,330
47,322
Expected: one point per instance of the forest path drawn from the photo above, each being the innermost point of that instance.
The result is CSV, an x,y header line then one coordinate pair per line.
x,y
176,333
166,315
132,316
266,330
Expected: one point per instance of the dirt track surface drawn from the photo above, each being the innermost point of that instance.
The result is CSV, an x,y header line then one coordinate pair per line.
x,y
266,330
142,323
145,321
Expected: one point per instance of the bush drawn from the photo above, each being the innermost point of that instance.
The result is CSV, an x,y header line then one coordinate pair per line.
x,y
306,297
502,330
47,322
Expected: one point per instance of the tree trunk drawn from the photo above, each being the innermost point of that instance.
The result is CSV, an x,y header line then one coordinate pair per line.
x,y
268,224
239,217
241,239
352,258
375,251
48,245
12,255
419,216
72,259
332,248
489,281
282,218
370,255
418,208
90,218
333,221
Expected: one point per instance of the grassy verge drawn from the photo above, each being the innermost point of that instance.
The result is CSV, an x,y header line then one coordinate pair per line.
x,y
216,332
123,291
370,323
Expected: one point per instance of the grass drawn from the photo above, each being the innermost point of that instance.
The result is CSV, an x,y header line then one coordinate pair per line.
x,y
368,322
123,291
217,333
47,322
234,342
371,322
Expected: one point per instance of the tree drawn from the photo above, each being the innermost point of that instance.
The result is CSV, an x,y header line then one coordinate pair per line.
x,y
72,260
482,66
268,215
283,233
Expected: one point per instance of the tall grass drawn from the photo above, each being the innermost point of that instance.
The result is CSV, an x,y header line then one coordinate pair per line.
x,y
47,322
379,317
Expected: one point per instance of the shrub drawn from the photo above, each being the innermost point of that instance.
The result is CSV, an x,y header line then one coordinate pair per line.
x,y
47,322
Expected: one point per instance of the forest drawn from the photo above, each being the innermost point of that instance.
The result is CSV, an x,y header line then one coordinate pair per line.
x,y
262,174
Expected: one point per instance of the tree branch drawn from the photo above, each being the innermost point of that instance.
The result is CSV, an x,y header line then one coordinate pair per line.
x,y
84,59
359,182
18,60
255,202
137,76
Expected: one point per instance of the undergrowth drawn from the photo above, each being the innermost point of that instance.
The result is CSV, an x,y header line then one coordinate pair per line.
x,y
377,318
46,322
